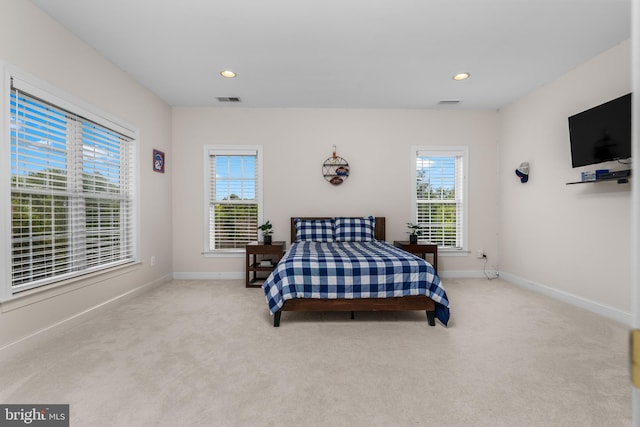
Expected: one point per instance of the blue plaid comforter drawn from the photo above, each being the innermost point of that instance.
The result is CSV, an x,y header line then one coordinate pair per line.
x,y
374,269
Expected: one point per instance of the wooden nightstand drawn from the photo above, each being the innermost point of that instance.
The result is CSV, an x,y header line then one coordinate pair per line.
x,y
420,249
257,252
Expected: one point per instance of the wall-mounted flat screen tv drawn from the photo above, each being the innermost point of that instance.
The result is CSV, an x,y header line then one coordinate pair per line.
x,y
601,133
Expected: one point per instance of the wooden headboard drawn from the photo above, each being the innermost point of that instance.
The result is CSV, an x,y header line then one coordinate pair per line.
x,y
380,230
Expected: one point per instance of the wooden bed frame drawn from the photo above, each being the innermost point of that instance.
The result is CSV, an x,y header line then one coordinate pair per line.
x,y
408,303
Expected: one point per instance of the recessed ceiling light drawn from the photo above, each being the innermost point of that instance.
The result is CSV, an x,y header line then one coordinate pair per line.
x,y
228,74
461,76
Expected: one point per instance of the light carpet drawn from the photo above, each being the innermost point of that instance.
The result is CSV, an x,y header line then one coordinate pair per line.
x,y
205,353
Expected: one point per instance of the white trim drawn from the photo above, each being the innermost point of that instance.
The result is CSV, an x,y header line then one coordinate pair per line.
x,y
452,252
204,275
444,150
42,336
5,184
213,149
439,150
60,98
65,101
465,274
240,275
230,150
231,253
592,306
32,296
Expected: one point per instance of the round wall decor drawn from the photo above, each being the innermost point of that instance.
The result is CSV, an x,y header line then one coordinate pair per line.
x,y
335,169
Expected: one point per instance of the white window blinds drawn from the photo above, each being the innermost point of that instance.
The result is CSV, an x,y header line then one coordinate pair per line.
x,y
72,193
234,198
439,197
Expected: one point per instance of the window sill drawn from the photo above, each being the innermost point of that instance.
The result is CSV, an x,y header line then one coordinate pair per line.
x,y
52,290
453,252
236,253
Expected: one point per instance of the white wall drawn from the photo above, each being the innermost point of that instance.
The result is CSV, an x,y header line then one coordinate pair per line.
x,y
376,143
37,45
574,239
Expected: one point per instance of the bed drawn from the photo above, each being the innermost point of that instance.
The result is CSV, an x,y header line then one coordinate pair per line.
x,y
345,264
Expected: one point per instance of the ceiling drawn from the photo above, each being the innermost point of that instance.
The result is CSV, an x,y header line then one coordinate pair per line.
x,y
345,53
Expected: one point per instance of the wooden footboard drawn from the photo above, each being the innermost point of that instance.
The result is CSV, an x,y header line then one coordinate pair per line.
x,y
408,303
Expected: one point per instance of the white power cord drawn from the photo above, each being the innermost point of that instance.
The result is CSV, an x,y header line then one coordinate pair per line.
x,y
484,269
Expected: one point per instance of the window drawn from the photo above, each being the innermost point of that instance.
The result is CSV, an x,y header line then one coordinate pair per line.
x,y
72,189
234,195
440,195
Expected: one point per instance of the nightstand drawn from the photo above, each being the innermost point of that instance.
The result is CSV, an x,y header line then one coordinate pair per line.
x,y
420,249
262,259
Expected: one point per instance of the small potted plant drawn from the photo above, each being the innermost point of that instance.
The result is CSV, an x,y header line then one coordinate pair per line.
x,y
266,230
413,233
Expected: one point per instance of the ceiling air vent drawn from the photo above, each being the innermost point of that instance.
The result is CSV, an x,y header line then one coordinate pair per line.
x,y
449,102
228,99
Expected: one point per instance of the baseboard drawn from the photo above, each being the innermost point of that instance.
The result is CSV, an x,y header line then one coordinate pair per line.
x,y
467,274
592,306
204,275
35,339
234,275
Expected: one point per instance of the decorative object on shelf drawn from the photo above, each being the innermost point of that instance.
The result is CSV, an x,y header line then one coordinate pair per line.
x,y
523,172
158,161
587,176
335,169
603,175
266,230
414,233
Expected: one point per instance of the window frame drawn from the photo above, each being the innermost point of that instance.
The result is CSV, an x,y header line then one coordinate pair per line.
x,y
60,99
214,149
445,151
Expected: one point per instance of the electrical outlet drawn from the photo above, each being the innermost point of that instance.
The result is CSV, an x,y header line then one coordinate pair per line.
x,y
480,254
153,260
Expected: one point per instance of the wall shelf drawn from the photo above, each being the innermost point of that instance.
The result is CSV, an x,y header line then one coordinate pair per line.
x,y
622,179
335,170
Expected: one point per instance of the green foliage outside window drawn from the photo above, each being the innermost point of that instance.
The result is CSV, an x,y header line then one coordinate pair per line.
x,y
437,212
235,225
41,224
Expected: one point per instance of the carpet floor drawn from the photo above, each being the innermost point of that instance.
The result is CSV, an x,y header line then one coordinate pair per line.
x,y
205,353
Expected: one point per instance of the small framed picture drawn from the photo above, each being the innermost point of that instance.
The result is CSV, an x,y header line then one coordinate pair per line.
x,y
158,161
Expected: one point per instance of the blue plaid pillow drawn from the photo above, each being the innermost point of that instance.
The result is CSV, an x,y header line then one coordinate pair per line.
x,y
355,229
317,230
